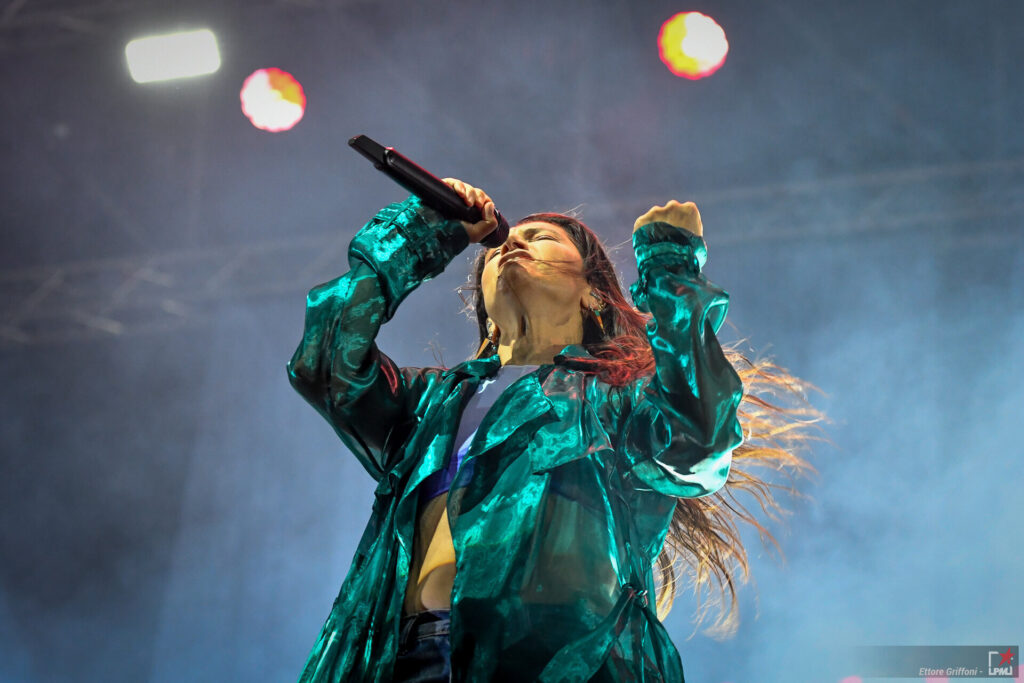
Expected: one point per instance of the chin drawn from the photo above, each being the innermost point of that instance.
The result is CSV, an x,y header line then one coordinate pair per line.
x,y
509,274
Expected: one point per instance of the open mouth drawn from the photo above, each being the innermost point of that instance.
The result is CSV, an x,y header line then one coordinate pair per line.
x,y
515,254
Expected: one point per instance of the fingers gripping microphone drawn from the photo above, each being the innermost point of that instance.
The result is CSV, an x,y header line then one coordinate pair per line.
x,y
428,187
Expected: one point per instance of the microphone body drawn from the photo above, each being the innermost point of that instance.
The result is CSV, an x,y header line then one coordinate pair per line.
x,y
428,187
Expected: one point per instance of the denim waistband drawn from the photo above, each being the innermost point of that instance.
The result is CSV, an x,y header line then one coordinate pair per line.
x,y
422,625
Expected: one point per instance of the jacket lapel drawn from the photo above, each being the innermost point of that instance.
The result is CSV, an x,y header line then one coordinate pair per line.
x,y
525,405
436,438
577,432
549,407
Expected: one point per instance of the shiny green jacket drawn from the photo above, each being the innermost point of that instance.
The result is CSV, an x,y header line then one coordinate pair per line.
x,y
573,484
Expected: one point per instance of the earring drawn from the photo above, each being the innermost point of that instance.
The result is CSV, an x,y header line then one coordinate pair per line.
x,y
595,313
493,333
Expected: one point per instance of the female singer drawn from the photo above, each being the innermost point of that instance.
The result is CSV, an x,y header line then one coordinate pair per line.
x,y
535,504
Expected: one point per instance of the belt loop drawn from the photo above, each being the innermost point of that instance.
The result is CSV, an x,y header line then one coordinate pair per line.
x,y
409,625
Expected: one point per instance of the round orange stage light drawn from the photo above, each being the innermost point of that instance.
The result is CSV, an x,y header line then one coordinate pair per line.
x,y
272,100
692,45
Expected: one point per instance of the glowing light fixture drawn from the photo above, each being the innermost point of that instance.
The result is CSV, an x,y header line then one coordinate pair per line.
x,y
174,55
272,100
692,45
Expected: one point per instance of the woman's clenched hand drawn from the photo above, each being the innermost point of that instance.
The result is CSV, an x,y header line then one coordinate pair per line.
x,y
685,216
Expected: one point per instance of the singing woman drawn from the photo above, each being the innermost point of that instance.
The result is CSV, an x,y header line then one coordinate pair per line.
x,y
538,504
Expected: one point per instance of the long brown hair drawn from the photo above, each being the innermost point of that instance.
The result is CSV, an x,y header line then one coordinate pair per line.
x,y
703,548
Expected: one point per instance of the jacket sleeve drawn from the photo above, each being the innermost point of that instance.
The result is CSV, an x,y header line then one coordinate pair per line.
x,y
682,426
337,367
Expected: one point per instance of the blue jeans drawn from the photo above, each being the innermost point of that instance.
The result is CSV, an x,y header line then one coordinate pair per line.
x,y
424,651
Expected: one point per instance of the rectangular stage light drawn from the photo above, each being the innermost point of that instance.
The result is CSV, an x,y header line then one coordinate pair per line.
x,y
174,55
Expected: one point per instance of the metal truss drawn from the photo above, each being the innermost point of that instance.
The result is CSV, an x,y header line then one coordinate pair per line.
x,y
958,205
27,25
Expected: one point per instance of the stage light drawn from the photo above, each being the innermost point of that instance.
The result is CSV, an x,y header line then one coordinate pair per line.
x,y
692,45
174,55
272,100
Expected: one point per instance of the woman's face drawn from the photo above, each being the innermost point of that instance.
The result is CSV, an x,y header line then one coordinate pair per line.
x,y
537,272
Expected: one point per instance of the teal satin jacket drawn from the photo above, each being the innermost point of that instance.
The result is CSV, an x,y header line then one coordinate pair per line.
x,y
573,481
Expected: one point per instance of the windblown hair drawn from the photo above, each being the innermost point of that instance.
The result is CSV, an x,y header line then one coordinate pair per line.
x,y
703,549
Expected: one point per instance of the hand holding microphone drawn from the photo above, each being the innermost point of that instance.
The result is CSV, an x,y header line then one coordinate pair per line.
x,y
453,200
475,197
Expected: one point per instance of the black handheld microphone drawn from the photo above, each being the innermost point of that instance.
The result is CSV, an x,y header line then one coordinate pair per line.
x,y
428,187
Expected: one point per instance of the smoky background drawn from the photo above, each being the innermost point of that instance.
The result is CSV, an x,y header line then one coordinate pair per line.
x,y
172,510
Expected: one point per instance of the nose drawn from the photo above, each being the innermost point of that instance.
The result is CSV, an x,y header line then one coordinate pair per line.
x,y
512,242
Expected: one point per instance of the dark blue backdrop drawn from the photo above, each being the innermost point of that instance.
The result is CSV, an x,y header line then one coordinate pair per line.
x,y
173,511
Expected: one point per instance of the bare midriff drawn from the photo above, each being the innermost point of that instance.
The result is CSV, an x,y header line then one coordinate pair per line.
x,y
432,571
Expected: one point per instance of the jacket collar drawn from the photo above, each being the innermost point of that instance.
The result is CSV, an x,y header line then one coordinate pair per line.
x,y
571,355
488,366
